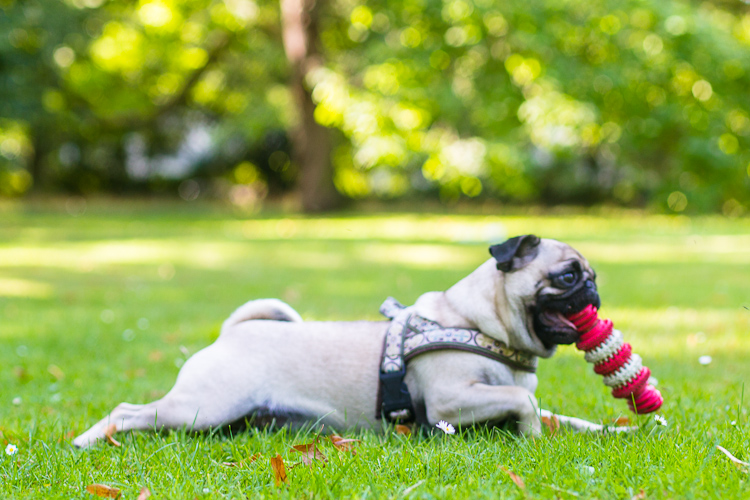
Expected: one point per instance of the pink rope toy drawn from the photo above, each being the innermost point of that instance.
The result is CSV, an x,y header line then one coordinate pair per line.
x,y
614,360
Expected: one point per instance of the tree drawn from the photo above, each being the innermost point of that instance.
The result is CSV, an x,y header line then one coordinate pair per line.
x,y
640,103
312,142
89,82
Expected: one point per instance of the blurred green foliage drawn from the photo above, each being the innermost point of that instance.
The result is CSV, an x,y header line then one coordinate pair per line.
x,y
641,102
114,95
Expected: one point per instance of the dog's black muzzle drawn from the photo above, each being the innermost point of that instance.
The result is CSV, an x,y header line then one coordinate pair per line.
x,y
550,312
573,300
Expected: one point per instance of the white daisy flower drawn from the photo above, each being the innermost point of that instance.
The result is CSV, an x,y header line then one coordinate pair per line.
x,y
445,427
11,450
660,420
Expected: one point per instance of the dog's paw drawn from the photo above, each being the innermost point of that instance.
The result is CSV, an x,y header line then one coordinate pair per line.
x,y
87,439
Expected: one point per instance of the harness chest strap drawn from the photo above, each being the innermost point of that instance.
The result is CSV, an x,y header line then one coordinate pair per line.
x,y
410,335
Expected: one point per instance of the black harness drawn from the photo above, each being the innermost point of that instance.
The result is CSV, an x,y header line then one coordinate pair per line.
x,y
410,335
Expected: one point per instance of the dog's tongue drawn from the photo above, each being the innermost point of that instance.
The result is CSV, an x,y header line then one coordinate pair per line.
x,y
558,318
613,359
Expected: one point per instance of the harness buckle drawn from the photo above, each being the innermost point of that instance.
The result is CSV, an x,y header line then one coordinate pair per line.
x,y
397,405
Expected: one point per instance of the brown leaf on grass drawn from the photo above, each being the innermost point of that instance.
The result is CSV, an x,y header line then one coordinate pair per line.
x,y
553,424
279,472
342,444
402,429
641,495
102,490
144,494
109,432
310,452
514,477
737,462
622,422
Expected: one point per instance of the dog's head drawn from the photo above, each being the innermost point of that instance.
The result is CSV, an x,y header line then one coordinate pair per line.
x,y
544,281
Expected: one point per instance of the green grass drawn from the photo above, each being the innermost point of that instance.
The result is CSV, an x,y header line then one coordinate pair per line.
x,y
104,307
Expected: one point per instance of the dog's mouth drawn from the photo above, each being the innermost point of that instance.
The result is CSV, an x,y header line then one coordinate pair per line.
x,y
550,313
552,327
556,320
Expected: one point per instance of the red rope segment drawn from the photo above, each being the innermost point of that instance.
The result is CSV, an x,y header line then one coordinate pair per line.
x,y
622,370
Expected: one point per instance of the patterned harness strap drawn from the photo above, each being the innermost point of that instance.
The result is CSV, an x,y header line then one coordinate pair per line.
x,y
410,335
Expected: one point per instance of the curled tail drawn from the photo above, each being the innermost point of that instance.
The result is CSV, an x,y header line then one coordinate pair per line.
x,y
272,309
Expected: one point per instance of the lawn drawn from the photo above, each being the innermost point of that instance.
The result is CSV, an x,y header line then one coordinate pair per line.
x,y
104,306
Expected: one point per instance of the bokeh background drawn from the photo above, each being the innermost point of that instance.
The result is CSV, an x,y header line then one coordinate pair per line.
x,y
635,103
156,158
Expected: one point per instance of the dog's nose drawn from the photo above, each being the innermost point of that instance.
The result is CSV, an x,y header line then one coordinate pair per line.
x,y
590,284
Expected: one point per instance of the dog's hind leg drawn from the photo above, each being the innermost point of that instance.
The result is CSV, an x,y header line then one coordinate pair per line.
x,y
208,393
171,412
130,417
124,417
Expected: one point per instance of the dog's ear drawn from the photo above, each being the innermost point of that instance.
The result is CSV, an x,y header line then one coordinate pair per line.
x,y
516,252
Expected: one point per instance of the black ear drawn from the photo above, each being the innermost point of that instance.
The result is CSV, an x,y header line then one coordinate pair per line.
x,y
516,252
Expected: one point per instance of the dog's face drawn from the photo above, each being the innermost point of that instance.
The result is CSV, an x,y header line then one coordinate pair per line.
x,y
546,280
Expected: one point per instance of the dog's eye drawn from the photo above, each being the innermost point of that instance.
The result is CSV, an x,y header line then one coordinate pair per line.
x,y
565,280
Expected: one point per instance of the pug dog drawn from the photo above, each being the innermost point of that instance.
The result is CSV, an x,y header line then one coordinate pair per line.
x,y
269,365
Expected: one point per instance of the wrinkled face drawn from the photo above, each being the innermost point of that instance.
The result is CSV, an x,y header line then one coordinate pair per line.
x,y
550,280
568,287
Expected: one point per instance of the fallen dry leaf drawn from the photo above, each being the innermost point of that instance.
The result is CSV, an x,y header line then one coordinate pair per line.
x,y
514,477
279,472
622,421
144,494
109,432
403,429
310,452
102,490
737,462
641,495
342,444
553,424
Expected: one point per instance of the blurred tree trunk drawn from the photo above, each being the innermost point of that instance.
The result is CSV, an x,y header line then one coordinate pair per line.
x,y
311,141
37,162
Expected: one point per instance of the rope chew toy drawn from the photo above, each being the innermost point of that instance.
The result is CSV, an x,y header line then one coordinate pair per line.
x,y
614,360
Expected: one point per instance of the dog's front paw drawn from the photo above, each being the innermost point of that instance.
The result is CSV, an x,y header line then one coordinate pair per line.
x,y
529,423
89,438
531,427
